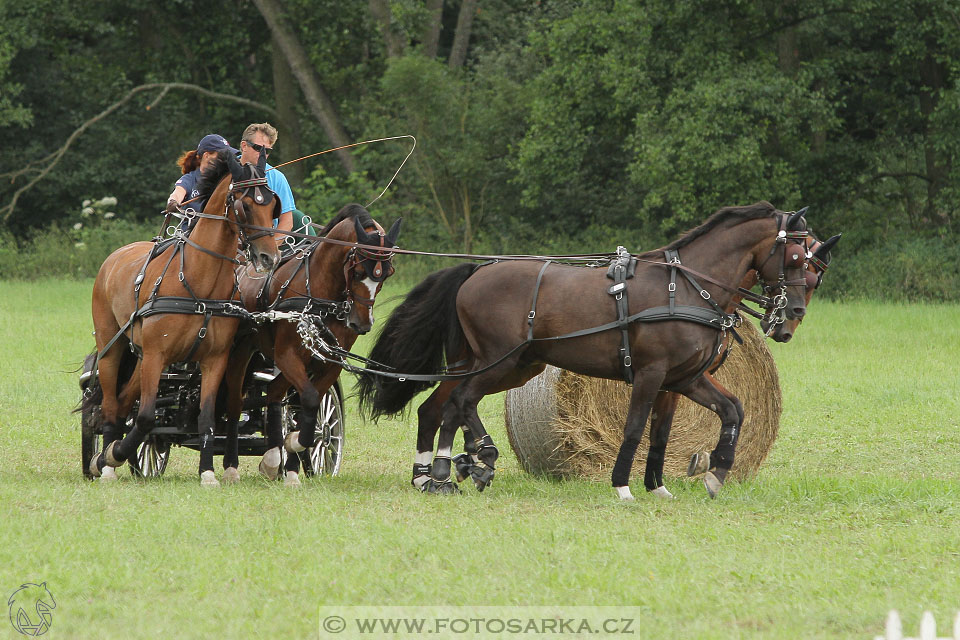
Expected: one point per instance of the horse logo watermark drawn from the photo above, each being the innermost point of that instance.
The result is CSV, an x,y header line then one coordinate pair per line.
x,y
31,609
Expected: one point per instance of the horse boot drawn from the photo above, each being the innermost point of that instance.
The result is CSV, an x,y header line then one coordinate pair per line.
x,y
483,471
273,457
439,481
466,461
721,461
421,476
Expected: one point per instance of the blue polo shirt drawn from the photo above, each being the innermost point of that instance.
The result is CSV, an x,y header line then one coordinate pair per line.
x,y
189,183
279,185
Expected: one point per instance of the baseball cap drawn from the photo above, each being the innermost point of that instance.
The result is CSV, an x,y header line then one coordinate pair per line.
x,y
214,142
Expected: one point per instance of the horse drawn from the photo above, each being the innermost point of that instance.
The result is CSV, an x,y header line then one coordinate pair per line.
x,y
504,321
326,290
184,318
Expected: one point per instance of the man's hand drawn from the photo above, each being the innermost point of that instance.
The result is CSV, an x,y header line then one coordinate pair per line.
x,y
172,206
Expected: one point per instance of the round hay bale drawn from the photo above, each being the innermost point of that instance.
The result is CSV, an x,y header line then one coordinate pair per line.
x,y
563,424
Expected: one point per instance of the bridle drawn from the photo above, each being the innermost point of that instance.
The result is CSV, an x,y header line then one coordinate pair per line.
x,y
790,247
376,262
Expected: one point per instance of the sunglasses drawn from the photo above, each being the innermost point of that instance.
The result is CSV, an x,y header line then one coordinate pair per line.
x,y
259,148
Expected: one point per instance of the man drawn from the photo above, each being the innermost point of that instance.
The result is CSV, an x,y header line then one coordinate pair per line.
x,y
259,138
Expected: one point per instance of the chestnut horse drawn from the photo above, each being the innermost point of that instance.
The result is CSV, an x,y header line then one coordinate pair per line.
x,y
330,287
511,318
186,316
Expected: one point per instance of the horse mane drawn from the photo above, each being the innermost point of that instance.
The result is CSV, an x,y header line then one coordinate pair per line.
x,y
212,175
726,215
352,210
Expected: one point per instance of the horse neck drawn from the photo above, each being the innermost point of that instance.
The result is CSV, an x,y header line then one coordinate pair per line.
x,y
727,253
326,270
216,235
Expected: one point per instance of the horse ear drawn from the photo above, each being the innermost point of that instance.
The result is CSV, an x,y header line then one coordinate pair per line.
x,y
825,248
393,233
795,219
235,169
362,237
262,163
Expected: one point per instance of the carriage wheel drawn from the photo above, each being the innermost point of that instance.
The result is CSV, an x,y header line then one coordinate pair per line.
x,y
152,458
325,456
90,438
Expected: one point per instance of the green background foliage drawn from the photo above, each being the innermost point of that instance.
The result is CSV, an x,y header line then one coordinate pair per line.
x,y
568,125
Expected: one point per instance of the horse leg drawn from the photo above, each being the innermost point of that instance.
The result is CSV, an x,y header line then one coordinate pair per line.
x,y
661,420
711,394
270,463
122,450
211,373
233,379
108,371
429,417
439,481
646,384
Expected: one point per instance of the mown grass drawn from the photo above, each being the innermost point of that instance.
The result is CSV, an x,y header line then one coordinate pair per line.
x,y
853,513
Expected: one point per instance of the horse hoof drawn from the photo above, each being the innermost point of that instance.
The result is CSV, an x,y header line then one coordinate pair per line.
x,y
445,488
96,466
624,493
209,479
109,474
292,443
712,483
270,464
661,492
108,456
482,477
292,479
231,475
699,463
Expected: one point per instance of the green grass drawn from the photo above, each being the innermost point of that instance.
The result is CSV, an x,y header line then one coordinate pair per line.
x,y
854,512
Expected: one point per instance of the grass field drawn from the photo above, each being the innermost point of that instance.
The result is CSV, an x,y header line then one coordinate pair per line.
x,y
855,511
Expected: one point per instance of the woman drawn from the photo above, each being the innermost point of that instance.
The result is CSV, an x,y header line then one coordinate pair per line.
x,y
192,163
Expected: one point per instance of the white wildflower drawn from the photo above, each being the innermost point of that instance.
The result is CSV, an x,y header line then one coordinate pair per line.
x,y
78,226
79,245
108,201
108,215
87,211
86,203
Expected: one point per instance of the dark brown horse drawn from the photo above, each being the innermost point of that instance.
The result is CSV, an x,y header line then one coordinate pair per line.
x,y
183,314
328,291
506,319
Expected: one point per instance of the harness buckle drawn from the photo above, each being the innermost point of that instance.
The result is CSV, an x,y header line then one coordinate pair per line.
x,y
201,307
202,333
531,315
704,294
627,361
672,287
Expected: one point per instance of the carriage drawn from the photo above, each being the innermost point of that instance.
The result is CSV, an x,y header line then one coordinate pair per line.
x,y
177,407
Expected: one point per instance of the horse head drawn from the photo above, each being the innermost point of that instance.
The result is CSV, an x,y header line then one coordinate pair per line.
x,y
364,267
818,260
253,204
781,267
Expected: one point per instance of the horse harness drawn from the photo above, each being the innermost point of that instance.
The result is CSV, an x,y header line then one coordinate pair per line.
x,y
208,308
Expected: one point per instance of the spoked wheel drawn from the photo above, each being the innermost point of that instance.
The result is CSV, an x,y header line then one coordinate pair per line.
x,y
325,456
152,458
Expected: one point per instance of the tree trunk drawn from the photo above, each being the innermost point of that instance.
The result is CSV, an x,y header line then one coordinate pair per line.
x,y
285,95
932,74
320,104
431,32
458,53
380,10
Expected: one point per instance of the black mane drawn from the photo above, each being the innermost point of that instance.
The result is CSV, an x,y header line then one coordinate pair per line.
x,y
212,175
762,209
351,210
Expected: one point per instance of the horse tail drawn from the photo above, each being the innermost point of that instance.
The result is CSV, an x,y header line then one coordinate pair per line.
x,y
414,340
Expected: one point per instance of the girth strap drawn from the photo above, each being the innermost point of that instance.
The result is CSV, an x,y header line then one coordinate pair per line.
x,y
618,290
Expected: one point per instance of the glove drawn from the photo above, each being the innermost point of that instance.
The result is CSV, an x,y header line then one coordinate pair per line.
x,y
172,206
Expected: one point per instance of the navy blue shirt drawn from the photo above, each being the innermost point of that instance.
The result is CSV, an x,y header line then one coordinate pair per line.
x,y
189,182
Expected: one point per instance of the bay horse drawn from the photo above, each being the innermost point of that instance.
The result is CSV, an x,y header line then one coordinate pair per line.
x,y
330,287
187,315
511,318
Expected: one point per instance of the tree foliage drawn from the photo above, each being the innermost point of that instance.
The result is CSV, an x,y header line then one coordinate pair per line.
x,y
585,119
